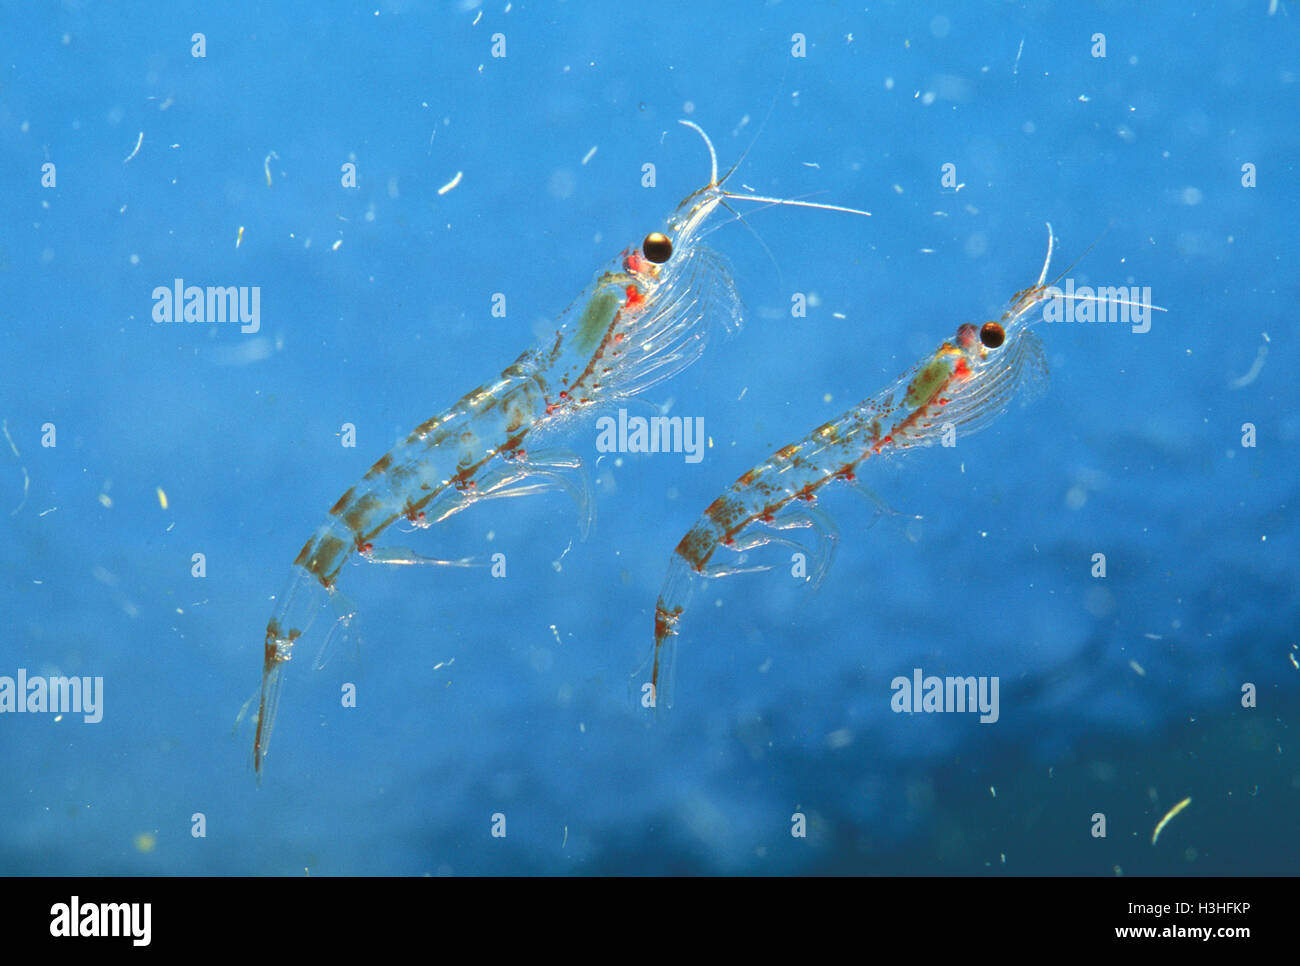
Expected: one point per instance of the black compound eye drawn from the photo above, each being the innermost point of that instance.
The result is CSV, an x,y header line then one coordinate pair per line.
x,y
657,248
992,335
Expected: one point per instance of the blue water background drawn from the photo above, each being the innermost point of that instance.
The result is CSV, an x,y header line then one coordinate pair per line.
x,y
1134,451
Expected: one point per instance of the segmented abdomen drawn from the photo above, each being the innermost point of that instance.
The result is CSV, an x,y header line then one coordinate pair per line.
x,y
898,418
447,451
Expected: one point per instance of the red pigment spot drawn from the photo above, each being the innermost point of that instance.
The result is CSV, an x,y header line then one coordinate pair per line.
x,y
367,547
564,394
635,299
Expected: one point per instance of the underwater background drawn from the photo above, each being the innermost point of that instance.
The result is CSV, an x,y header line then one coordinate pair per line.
x,y
488,704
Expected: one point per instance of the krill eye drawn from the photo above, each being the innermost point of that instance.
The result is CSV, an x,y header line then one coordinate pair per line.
x,y
992,335
657,248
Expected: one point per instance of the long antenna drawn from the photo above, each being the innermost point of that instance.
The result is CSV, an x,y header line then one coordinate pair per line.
x,y
714,182
1057,293
713,155
794,203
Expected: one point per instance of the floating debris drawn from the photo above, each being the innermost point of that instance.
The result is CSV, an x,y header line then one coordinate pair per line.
x,y
27,480
1169,817
1242,382
136,150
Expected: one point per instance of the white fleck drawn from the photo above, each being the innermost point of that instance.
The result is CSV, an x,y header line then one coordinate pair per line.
x,y
840,738
136,150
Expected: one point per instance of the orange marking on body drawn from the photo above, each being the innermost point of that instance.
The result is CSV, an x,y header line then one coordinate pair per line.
x,y
380,466
423,429
724,510
516,420
664,620
359,516
305,553
696,547
325,559
271,654
344,500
